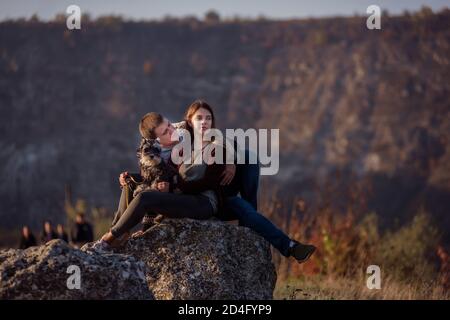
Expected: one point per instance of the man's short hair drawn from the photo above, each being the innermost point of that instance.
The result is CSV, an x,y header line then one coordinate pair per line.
x,y
149,123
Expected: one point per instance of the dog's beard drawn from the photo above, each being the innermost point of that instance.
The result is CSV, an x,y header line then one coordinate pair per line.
x,y
149,162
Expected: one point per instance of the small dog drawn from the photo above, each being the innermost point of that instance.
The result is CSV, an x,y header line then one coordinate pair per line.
x,y
153,170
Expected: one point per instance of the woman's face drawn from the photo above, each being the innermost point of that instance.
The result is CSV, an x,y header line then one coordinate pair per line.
x,y
201,120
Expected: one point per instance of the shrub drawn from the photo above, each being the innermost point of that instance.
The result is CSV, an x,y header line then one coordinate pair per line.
x,y
408,252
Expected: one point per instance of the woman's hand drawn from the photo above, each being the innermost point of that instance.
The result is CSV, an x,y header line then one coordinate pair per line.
x,y
228,174
163,186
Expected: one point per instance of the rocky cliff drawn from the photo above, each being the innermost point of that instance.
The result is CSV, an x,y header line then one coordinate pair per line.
x,y
371,104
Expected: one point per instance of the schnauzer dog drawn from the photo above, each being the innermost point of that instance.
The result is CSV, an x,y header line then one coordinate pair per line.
x,y
153,170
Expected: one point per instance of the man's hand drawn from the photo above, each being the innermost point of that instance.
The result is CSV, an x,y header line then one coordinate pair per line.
x,y
122,178
228,174
163,186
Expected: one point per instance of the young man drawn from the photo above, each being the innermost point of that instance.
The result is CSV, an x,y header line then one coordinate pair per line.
x,y
240,178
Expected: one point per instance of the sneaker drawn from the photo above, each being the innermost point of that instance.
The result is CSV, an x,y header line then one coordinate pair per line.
x,y
301,252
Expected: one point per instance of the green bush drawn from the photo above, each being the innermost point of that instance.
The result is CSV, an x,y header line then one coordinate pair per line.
x,y
408,252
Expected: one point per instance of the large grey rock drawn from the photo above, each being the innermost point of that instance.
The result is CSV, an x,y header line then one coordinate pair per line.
x,y
176,259
192,259
41,273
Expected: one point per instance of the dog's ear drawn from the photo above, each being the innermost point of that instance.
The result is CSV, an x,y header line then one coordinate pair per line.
x,y
138,150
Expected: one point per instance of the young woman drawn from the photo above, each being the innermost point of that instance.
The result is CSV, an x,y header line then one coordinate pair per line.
x,y
243,208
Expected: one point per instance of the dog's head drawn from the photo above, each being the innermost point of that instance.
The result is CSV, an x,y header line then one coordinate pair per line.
x,y
149,152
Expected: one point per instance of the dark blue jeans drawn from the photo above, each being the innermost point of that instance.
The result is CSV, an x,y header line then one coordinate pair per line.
x,y
238,208
245,182
244,208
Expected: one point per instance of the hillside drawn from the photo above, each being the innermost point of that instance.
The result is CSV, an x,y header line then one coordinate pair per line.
x,y
371,107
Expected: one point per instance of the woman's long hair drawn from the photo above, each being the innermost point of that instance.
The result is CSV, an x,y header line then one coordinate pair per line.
x,y
192,109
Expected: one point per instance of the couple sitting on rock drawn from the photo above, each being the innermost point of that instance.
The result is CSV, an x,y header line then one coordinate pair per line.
x,y
207,190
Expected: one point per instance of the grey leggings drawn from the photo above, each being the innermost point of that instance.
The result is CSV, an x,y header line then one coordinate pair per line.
x,y
168,204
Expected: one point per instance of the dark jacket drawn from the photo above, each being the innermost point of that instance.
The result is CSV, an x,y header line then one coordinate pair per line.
x,y
63,236
82,233
27,242
46,237
210,181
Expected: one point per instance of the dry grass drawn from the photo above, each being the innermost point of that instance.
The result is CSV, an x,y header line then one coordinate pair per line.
x,y
414,264
325,288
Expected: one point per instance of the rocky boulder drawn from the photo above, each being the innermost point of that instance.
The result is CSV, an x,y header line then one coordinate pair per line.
x,y
44,272
175,259
192,259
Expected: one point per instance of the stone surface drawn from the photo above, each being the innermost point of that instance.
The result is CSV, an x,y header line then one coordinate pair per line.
x,y
175,259
41,273
192,259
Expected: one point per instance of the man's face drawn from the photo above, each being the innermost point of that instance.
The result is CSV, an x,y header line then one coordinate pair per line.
x,y
164,132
